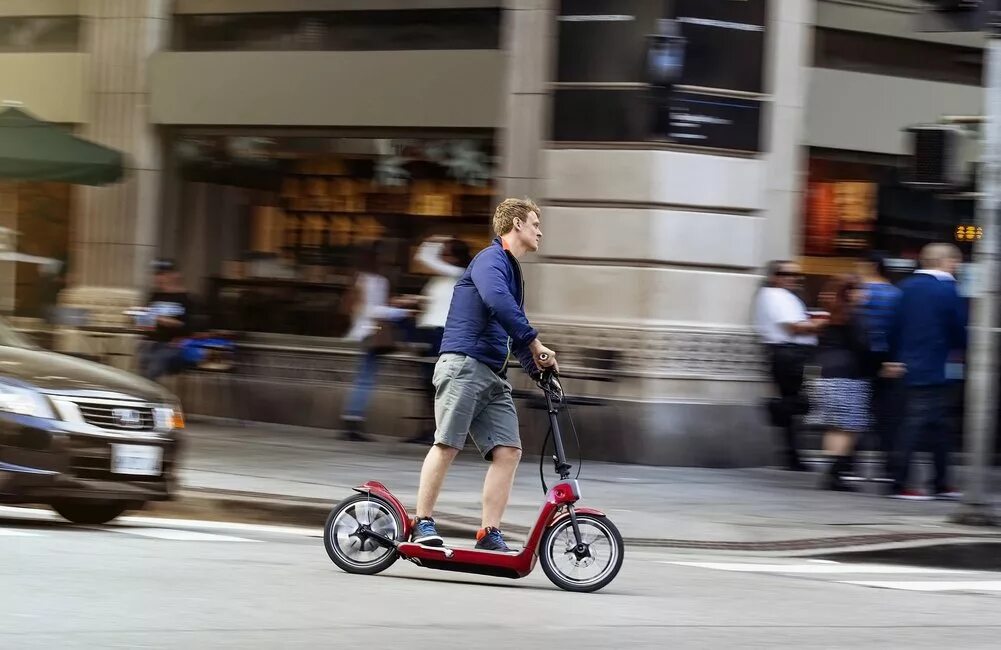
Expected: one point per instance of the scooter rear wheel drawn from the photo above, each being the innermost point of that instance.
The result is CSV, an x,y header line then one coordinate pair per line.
x,y
589,570
347,545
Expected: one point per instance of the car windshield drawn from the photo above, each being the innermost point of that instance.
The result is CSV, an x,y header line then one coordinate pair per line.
x,y
11,339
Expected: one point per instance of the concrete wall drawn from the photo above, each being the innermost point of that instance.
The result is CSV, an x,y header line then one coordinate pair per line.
x,y
435,88
866,112
53,86
897,18
648,237
40,7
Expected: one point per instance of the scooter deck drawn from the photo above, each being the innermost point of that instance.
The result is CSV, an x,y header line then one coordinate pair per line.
x,y
456,547
514,564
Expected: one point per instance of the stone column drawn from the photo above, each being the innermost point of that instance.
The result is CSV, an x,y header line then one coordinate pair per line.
x,y
113,238
787,74
529,44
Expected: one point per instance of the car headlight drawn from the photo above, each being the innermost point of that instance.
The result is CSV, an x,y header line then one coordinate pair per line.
x,y
168,418
24,401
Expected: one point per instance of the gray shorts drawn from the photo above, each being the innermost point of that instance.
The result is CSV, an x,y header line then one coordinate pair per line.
x,y
472,399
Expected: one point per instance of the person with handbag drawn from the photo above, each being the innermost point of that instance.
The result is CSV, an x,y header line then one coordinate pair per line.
x,y
373,325
845,367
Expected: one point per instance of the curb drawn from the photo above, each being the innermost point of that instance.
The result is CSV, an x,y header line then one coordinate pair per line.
x,y
248,507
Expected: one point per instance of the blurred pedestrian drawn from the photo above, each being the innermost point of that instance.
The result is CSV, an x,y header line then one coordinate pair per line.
x,y
840,395
167,321
373,325
930,325
878,310
790,338
446,258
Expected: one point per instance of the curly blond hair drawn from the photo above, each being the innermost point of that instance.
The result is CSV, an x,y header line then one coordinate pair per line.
x,y
511,209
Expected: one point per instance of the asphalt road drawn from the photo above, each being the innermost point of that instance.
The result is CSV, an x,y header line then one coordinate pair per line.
x,y
148,583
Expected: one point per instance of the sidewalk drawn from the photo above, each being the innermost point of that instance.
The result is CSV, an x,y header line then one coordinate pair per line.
x,y
297,475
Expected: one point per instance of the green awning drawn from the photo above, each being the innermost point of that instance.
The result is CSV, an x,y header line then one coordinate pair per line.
x,y
34,150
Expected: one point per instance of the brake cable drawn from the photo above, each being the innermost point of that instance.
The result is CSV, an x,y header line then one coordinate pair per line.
x,y
545,443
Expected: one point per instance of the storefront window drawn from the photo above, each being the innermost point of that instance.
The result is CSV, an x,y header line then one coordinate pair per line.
x,y
40,34
418,29
857,202
271,227
34,247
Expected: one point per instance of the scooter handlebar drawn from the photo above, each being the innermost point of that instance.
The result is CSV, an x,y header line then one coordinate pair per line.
x,y
549,380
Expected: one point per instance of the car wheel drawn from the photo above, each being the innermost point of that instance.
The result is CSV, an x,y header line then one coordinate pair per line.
x,y
90,512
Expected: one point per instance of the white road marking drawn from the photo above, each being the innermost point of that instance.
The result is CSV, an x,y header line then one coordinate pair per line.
x,y
27,513
40,514
986,585
812,568
177,535
224,525
6,532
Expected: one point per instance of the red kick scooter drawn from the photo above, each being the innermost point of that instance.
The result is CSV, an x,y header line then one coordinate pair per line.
x,y
579,548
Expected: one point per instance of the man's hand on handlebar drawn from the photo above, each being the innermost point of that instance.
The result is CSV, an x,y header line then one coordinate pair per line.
x,y
544,357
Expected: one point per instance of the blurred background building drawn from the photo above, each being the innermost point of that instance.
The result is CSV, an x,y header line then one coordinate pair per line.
x,y
267,137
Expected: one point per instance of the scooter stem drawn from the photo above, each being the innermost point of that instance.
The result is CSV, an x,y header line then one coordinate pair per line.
x,y
560,460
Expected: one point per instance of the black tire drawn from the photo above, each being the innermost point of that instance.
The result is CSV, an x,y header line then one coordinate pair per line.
x,y
82,511
341,548
559,538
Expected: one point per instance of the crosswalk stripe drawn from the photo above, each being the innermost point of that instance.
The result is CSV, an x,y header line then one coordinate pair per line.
x,y
4,532
178,535
817,568
968,585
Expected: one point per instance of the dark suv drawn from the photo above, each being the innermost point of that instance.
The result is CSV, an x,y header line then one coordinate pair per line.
x,y
89,440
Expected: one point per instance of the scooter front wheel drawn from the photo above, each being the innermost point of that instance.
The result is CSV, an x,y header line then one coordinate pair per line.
x,y
588,568
346,542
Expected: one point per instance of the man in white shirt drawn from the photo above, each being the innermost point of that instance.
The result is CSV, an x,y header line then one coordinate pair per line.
x,y
790,336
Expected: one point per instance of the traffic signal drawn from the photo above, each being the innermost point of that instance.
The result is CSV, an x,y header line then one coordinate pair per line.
x,y
966,233
939,157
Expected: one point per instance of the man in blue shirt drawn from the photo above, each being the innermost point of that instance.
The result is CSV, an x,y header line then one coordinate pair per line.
x,y
930,324
878,312
486,322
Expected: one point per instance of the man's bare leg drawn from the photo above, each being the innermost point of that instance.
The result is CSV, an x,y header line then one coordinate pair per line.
x,y
498,483
436,465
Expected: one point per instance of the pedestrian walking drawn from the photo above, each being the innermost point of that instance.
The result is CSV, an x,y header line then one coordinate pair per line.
x,y
789,335
446,258
845,365
930,325
373,324
878,309
166,321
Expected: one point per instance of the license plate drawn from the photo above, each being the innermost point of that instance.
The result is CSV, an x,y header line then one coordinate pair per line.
x,y
136,460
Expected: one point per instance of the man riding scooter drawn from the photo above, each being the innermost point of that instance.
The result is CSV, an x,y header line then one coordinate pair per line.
x,y
486,322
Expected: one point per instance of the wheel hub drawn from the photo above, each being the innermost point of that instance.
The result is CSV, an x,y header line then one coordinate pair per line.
x,y
581,555
361,534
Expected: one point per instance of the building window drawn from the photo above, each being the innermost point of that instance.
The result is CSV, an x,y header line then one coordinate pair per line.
x,y
40,34
856,202
897,57
273,226
431,29
605,90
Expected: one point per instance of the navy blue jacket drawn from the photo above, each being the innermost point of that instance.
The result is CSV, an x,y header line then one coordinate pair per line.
x,y
929,324
486,319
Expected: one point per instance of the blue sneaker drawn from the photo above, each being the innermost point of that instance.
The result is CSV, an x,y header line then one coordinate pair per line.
x,y
490,539
426,533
